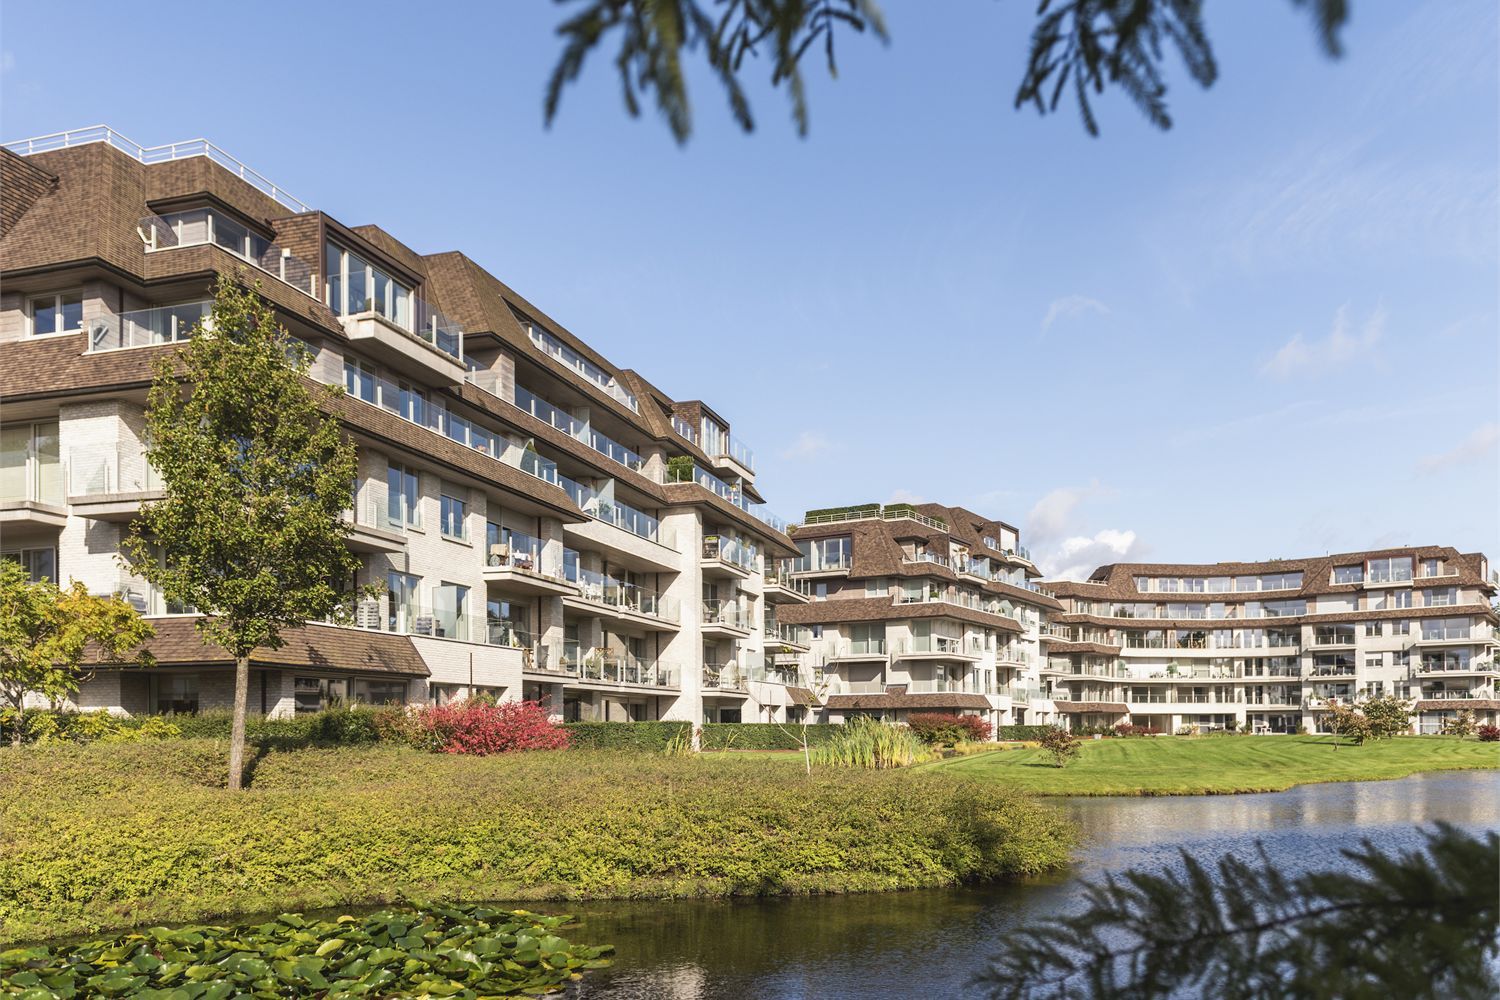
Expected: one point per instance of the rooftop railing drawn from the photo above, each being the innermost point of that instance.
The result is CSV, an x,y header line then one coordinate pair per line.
x,y
895,512
157,154
684,429
203,226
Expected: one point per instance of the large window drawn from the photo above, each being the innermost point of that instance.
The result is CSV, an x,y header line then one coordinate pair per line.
x,y
1395,569
403,495
401,595
1348,574
30,467
454,512
62,313
174,694
39,564
356,286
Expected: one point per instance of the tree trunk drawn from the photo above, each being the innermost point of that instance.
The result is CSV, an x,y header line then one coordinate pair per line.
x,y
237,728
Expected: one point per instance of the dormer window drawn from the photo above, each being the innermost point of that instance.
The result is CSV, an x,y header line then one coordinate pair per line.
x,y
61,313
355,286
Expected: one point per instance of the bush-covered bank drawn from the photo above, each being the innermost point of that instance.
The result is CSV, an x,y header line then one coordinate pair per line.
x,y
427,951
120,835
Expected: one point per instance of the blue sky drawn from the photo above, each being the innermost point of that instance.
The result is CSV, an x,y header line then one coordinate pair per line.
x,y
1269,332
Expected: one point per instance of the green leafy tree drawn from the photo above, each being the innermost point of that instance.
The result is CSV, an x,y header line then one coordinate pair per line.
x,y
1419,923
1348,722
45,630
1078,47
256,478
1061,745
1388,716
1461,725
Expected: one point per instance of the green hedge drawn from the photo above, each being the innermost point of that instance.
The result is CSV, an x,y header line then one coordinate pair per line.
x,y
764,735
645,736
131,834
329,728
1021,732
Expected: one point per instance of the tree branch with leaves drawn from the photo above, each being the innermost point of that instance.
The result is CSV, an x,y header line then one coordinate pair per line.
x,y
1082,47
1419,923
45,632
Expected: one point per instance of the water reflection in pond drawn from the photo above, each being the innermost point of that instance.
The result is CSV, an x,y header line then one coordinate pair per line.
x,y
930,943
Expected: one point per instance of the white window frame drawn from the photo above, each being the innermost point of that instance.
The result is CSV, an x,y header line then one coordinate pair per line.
x,y
56,299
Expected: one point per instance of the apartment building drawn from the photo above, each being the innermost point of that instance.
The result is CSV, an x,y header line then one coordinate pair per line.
x,y
543,523
1269,646
917,608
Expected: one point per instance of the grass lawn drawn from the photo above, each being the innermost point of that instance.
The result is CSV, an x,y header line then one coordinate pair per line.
x,y
1169,765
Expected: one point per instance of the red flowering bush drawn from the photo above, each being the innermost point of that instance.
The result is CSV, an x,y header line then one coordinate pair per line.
x,y
1489,734
940,727
482,727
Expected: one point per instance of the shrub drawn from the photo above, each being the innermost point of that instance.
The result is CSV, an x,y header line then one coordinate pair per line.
x,y
482,727
647,737
939,727
765,735
1061,745
1124,729
1489,734
865,743
1021,733
130,835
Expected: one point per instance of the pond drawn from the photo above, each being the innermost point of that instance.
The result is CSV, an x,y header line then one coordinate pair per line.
x,y
931,942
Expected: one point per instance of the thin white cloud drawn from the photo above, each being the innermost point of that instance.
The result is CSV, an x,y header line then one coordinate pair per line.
x,y
1079,555
1072,307
1052,516
906,496
1482,445
808,444
1342,345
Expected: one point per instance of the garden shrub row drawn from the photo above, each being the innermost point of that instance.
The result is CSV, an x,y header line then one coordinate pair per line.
x,y
764,735
332,727
651,737
95,836
1021,732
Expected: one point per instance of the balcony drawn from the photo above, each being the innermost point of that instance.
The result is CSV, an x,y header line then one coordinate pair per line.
x,y
731,452
821,563
566,356
626,603
938,647
790,637
874,512
725,618
513,565
595,504
110,482
784,588
553,416
855,650
613,667
727,556
415,340
682,473
371,527
727,678
684,429
146,327
1456,635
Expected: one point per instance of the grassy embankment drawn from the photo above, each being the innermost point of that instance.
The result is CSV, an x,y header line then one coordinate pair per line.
x,y
1169,765
119,835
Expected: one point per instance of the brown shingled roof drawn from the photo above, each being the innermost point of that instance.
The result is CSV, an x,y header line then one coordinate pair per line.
x,y
1090,707
322,647
872,609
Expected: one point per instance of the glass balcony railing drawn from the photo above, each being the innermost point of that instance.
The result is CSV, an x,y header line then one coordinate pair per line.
x,y
723,677
146,327
569,358
732,448
730,551
727,613
622,516
108,469
684,429
710,482
204,227
609,591
610,666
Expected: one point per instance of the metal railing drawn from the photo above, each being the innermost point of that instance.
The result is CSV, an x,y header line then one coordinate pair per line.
x,y
609,591
896,513
728,677
566,356
727,613
608,666
158,154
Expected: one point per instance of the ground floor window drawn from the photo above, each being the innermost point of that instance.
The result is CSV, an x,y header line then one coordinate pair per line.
x,y
379,692
39,564
174,694
313,694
